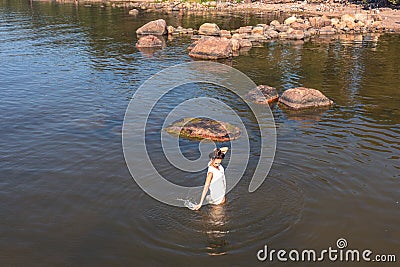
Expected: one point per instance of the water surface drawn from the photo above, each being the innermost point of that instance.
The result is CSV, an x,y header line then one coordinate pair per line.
x,y
67,199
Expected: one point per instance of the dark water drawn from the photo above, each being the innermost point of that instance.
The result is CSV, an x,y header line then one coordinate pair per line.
x,y
67,199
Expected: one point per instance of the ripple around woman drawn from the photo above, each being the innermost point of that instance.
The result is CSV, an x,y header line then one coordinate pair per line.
x,y
215,180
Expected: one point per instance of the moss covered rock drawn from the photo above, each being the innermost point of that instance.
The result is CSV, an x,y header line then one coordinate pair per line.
x,y
204,128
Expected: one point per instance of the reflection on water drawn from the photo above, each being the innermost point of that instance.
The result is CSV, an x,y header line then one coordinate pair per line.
x,y
214,222
312,114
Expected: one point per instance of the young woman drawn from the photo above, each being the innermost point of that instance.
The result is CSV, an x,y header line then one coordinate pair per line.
x,y
215,180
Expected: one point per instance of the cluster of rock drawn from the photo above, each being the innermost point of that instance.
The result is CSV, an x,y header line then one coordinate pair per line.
x,y
150,33
211,42
292,28
177,6
295,98
206,128
180,30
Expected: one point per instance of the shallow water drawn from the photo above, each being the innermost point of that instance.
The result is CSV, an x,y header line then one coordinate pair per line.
x,y
67,198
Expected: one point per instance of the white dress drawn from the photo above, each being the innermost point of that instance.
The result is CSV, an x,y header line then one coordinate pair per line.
x,y
217,185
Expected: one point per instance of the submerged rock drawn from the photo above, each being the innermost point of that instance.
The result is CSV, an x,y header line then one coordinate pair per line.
x,y
204,128
212,48
149,41
155,27
301,97
263,94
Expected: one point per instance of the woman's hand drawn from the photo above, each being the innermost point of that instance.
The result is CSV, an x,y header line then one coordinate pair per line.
x,y
196,207
205,189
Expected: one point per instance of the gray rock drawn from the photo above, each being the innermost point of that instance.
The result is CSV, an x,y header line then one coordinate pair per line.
x,y
155,27
211,29
212,48
263,94
301,97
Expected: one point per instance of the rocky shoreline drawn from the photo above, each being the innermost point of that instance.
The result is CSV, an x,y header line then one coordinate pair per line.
x,y
390,18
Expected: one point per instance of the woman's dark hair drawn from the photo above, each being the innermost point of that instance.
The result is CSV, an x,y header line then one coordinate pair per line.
x,y
217,154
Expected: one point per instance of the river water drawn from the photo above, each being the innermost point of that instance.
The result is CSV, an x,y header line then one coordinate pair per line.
x,y
67,198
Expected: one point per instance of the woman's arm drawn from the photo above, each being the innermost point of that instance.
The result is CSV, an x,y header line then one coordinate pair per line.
x,y
206,186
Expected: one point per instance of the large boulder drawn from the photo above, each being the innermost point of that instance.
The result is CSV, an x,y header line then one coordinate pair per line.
x,y
149,41
203,128
211,29
212,48
300,97
155,27
263,94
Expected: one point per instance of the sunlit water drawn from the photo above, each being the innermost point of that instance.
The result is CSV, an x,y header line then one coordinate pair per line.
x,y
67,199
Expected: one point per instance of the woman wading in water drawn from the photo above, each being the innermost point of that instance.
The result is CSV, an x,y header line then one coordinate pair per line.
x,y
215,180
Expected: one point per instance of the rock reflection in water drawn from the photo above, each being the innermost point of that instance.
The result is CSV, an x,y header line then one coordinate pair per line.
x,y
304,115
